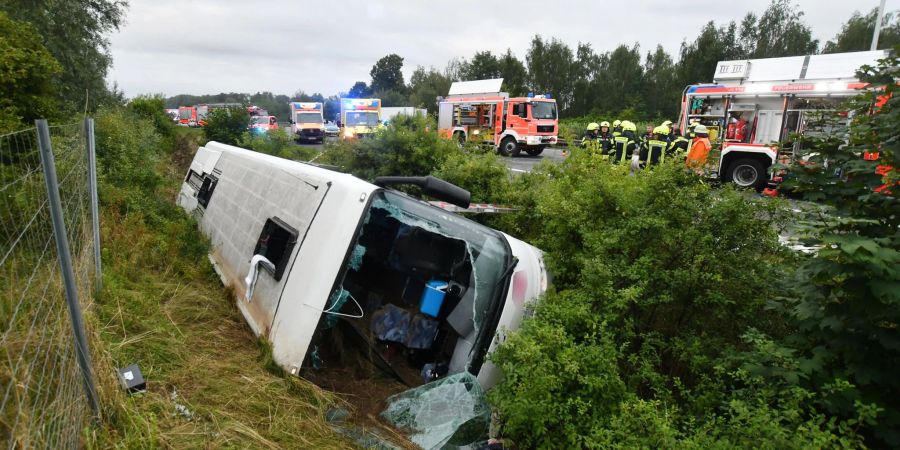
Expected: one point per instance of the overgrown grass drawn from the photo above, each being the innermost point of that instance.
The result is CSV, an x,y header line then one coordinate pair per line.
x,y
163,307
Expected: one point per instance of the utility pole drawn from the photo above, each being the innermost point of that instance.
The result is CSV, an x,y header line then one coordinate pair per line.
x,y
877,27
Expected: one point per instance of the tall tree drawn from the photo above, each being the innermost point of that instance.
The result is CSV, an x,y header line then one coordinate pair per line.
x,y
782,32
484,65
75,32
425,85
514,74
856,34
587,66
660,92
359,90
550,67
621,80
387,74
26,73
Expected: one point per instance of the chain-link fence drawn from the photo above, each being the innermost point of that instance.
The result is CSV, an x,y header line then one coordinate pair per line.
x,y
46,397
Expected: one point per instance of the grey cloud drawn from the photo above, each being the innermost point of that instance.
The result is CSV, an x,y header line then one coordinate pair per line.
x,y
207,46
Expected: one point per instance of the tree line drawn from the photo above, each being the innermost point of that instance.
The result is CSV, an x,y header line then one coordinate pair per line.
x,y
627,81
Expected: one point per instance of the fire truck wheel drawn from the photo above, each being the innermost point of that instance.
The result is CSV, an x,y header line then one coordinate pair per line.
x,y
747,173
509,147
534,151
460,140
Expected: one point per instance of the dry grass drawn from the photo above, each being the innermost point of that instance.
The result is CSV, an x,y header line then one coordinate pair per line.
x,y
163,308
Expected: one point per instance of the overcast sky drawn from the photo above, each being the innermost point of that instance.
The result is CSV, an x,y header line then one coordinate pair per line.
x,y
211,46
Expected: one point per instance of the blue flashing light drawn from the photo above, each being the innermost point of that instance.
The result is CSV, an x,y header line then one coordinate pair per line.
x,y
531,95
547,95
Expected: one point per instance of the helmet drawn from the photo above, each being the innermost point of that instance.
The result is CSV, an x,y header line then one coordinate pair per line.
x,y
592,126
701,129
627,125
667,123
617,122
662,129
604,124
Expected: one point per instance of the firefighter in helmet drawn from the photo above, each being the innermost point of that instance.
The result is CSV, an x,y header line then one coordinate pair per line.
x,y
617,128
679,145
606,138
590,134
657,147
625,144
668,124
699,153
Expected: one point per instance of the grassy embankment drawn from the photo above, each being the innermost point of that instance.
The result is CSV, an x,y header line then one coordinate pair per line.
x,y
163,307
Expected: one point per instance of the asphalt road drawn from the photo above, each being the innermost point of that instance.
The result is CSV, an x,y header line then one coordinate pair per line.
x,y
525,163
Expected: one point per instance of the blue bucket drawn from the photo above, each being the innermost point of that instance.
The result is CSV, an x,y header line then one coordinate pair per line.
x,y
433,297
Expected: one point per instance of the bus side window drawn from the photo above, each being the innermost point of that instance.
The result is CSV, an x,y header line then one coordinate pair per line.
x,y
276,242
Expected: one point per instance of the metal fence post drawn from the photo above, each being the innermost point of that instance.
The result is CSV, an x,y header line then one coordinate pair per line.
x,y
65,263
95,202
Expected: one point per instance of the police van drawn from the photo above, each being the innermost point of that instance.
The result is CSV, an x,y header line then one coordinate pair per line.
x,y
307,251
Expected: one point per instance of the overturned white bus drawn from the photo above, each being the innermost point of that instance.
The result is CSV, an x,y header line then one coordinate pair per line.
x,y
307,249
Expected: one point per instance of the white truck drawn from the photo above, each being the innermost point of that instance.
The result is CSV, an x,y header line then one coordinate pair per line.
x,y
310,252
307,121
389,112
753,105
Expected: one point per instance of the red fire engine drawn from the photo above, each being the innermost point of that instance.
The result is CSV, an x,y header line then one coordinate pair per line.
x,y
476,111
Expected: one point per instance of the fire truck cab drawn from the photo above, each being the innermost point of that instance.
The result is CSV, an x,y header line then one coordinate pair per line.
x,y
187,116
754,105
476,111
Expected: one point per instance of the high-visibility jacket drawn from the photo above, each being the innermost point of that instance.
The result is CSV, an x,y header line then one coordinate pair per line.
x,y
679,146
696,157
656,151
623,147
606,142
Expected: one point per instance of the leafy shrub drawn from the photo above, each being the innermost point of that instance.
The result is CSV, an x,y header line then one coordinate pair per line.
x,y
226,125
481,173
844,301
26,75
408,146
152,107
658,276
277,142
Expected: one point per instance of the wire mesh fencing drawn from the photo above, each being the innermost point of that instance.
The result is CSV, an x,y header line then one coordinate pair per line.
x,y
46,396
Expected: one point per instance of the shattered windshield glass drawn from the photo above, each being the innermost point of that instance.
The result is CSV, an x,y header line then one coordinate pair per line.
x,y
406,248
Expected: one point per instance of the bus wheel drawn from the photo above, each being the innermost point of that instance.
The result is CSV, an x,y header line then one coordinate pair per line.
x,y
509,147
534,151
747,173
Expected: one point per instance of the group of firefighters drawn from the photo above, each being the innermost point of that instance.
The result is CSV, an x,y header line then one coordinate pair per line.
x,y
620,143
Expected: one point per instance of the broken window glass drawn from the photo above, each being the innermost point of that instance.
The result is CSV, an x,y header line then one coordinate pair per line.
x,y
447,413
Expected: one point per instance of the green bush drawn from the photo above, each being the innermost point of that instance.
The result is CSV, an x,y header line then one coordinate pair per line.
x,y
277,142
26,76
658,276
152,107
843,303
226,125
482,173
409,146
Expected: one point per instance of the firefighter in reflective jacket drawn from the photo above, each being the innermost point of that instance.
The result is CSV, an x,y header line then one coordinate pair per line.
x,y
699,152
668,124
625,144
656,149
605,138
590,134
679,145
617,128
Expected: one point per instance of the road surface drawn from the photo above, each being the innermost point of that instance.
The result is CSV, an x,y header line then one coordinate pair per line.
x,y
519,164
525,163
